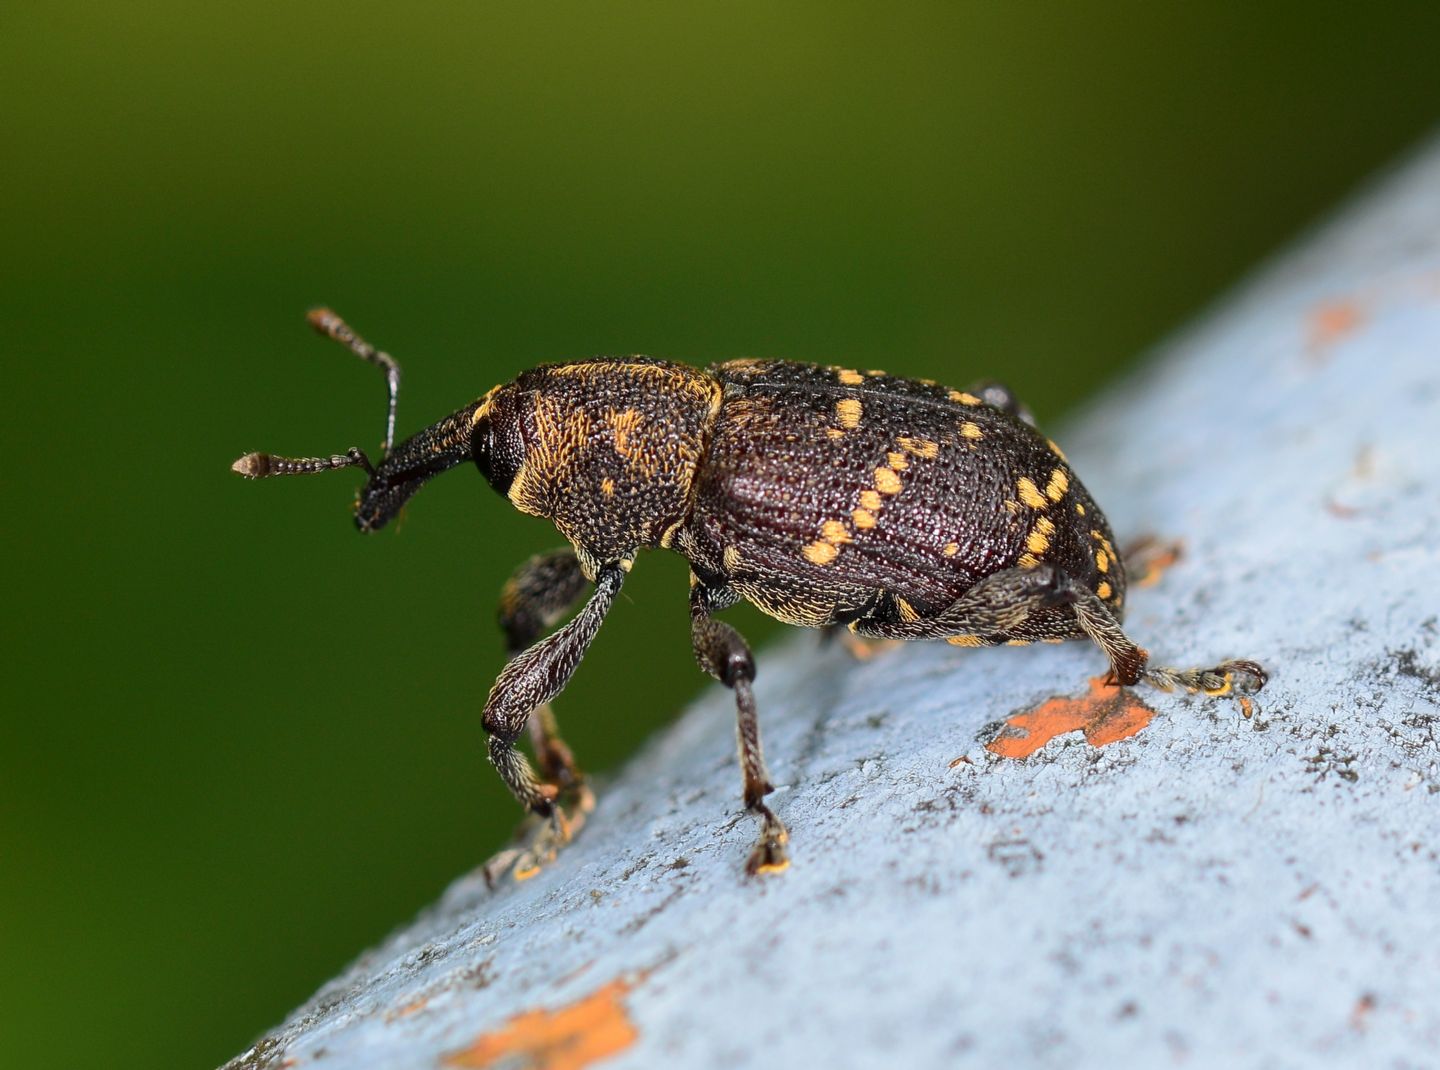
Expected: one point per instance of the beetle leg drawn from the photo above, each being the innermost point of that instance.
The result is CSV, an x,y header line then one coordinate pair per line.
x,y
722,652
540,593
996,605
1000,396
529,681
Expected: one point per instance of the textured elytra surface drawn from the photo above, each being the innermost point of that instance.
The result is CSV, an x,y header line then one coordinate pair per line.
x,y
1184,887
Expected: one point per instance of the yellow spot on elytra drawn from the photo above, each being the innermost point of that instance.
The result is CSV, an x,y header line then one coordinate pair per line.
x,y
920,447
607,486
848,412
971,431
907,611
1058,485
849,377
951,549
963,398
886,481
834,433
869,499
897,461
863,519
964,640
1079,508
1102,560
730,558
1104,589
874,373
1028,561
1030,494
1056,450
1012,506
1038,541
834,531
819,552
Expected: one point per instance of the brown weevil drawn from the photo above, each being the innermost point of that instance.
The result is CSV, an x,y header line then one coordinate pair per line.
x,y
828,497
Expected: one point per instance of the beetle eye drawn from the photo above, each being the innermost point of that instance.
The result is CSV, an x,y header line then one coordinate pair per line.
x,y
497,451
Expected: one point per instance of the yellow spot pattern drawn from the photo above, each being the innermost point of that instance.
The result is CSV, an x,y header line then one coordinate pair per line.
x,y
1038,541
1056,450
920,447
869,499
848,412
1104,589
897,461
1102,560
819,553
1058,485
863,519
963,398
886,481
951,549
849,377
971,431
1030,494
834,531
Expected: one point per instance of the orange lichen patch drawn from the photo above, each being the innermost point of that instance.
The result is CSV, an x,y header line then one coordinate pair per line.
x,y
1150,559
570,1038
1330,323
863,649
1104,713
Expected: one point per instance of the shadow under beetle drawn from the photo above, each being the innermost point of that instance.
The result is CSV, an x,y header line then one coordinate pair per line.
x,y
828,497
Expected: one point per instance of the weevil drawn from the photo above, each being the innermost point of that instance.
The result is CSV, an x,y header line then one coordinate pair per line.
x,y
828,497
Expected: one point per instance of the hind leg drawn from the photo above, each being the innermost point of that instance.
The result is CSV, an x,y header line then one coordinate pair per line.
x,y
999,607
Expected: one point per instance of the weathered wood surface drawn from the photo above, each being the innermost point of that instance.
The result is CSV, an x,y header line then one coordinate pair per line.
x,y
1206,889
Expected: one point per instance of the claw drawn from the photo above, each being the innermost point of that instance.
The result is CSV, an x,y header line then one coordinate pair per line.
x,y
541,838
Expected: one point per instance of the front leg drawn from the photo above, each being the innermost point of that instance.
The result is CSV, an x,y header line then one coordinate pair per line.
x,y
527,683
542,591
722,652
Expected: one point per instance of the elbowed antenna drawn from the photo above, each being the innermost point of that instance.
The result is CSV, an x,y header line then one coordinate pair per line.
x,y
263,465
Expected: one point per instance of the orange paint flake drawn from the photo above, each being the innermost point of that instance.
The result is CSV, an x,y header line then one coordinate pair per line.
x,y
1105,714
573,1037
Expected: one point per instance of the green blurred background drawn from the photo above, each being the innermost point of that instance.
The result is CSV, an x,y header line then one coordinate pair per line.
x,y
241,741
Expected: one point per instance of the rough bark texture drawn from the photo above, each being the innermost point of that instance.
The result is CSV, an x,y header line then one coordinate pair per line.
x,y
1165,880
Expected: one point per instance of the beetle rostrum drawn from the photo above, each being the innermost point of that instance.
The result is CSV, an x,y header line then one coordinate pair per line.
x,y
859,502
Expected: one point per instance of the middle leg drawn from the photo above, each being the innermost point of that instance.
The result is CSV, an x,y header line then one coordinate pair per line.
x,y
723,653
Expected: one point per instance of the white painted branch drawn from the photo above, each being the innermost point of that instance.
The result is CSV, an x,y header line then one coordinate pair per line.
x,y
1211,889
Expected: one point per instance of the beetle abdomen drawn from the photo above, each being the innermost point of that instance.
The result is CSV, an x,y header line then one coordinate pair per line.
x,y
823,487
